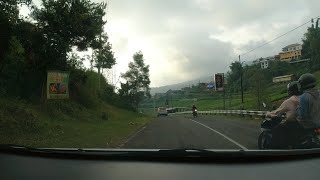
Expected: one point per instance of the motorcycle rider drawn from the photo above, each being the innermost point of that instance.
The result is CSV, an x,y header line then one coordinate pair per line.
x,y
308,111
194,108
289,129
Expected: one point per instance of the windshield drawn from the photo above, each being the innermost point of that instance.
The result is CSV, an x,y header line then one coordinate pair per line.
x,y
192,74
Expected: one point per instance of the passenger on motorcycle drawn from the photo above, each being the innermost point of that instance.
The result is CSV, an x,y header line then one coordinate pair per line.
x,y
289,129
308,111
290,105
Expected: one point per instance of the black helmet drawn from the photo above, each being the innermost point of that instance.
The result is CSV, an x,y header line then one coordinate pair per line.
x,y
293,88
307,81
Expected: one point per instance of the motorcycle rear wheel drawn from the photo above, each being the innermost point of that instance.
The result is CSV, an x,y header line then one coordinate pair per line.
x,y
264,140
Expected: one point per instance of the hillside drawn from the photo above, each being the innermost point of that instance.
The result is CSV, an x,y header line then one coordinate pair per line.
x,y
207,100
66,124
178,86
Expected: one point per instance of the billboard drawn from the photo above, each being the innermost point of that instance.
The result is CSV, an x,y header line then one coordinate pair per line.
x,y
57,85
219,81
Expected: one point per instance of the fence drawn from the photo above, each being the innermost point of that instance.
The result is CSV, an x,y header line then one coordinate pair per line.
x,y
234,112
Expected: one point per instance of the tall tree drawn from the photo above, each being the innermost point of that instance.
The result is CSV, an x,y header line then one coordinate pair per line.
x,y
9,16
233,76
103,55
311,45
66,24
137,80
259,82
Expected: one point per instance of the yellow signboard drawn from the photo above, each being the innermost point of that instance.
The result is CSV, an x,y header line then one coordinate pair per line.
x,y
57,85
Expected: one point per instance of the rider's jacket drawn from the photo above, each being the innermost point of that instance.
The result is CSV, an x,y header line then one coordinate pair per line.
x,y
308,111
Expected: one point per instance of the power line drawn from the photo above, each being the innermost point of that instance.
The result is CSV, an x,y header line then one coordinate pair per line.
x,y
277,37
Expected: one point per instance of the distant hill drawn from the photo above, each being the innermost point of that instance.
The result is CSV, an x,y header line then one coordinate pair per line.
x,y
178,86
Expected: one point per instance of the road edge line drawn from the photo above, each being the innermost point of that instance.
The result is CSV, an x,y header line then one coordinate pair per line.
x,y
132,136
226,137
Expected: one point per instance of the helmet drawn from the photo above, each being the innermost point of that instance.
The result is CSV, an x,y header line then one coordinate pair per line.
x,y
293,88
307,81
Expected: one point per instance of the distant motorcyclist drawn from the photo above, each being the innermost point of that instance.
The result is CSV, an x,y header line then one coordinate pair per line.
x,y
194,108
194,111
308,111
289,129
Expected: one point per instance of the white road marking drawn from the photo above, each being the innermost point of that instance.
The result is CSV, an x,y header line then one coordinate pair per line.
x,y
132,136
226,137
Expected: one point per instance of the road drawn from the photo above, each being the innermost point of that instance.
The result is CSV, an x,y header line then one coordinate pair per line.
x,y
205,132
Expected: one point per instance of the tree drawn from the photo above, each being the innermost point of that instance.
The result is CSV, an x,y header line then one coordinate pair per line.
x,y
137,80
233,76
103,55
260,83
12,68
66,24
311,45
9,16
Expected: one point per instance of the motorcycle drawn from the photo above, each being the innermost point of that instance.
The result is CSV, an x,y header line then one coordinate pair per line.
x,y
309,139
195,113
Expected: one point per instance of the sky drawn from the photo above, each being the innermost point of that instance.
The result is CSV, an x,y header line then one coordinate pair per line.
x,y
185,40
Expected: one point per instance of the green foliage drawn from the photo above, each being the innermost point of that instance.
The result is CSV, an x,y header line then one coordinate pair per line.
x,y
137,81
260,84
311,46
103,55
84,87
68,23
25,124
57,107
8,18
17,117
29,49
12,68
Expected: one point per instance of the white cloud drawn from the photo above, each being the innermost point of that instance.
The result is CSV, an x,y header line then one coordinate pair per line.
x,y
182,40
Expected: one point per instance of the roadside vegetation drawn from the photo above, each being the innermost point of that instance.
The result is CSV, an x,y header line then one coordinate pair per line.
x,y
96,114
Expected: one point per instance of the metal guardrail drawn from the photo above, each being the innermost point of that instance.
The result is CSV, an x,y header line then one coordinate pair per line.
x,y
238,112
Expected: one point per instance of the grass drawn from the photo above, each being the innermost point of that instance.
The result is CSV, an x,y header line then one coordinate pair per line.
x,y
234,102
78,127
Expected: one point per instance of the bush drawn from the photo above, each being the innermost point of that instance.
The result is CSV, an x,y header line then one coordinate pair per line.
x,y
84,87
63,106
16,117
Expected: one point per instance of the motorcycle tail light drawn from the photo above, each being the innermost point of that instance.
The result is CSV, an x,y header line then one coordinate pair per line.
x,y
317,131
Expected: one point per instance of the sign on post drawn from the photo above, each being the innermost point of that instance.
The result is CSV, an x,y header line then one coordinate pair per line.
x,y
219,82
57,85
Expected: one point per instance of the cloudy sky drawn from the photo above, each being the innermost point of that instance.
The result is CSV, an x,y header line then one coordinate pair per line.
x,y
184,40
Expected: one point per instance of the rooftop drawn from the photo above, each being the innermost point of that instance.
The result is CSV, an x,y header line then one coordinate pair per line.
x,y
292,45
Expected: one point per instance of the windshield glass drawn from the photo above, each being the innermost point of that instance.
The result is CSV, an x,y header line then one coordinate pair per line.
x,y
146,74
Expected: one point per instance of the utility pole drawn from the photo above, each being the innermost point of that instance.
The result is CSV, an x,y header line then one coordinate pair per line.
x,y
241,81
154,104
224,98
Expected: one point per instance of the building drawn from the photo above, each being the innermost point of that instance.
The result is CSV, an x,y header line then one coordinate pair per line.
x,y
264,62
291,52
283,79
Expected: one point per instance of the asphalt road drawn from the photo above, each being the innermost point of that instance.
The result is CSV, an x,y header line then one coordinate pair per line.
x,y
204,132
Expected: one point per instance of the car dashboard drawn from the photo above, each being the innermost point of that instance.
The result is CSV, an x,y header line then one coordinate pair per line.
x,y
24,166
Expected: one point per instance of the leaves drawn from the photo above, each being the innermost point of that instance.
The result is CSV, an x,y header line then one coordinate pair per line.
x,y
311,45
29,49
137,81
103,55
68,23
